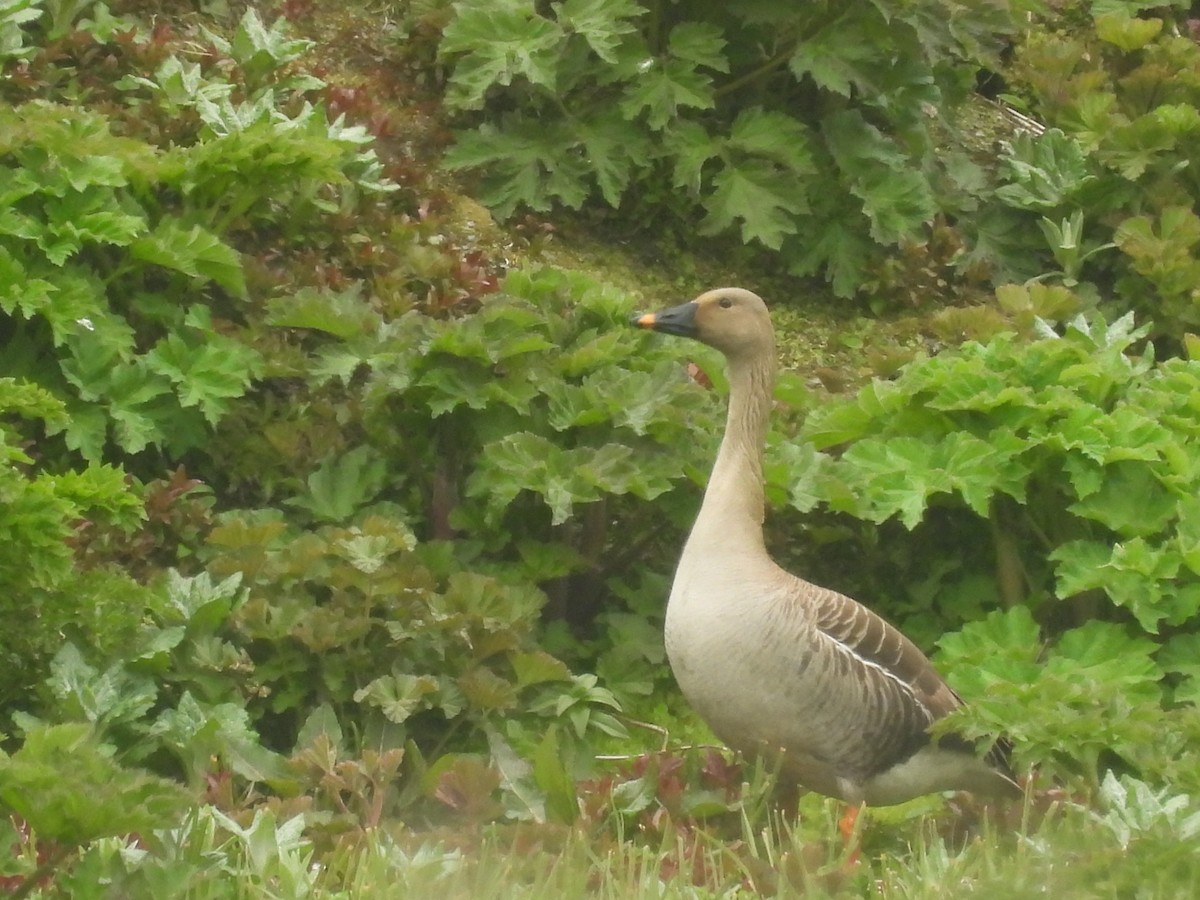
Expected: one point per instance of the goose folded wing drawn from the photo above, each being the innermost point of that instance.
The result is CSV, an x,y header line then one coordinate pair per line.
x,y
890,655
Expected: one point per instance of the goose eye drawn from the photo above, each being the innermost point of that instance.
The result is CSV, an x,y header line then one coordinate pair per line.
x,y
725,303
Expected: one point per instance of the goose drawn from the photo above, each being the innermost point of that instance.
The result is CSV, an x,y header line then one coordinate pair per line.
x,y
831,695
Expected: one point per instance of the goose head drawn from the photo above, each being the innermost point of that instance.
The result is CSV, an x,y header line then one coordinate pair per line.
x,y
732,320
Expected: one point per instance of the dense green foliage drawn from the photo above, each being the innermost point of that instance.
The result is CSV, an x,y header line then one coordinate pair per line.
x,y
1113,184
808,128
1070,466
334,546
41,586
115,266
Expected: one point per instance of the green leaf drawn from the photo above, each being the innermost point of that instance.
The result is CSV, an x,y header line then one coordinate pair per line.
x,y
843,252
66,786
896,197
345,314
979,391
751,192
88,432
343,483
665,86
774,136
180,84
1164,255
495,607
614,150
104,698
198,731
537,667
1126,32
322,721
506,330
529,163
370,552
1187,533
1182,119
1079,562
31,402
799,468
693,147
455,385
13,14
839,58
1180,656
260,50
897,477
1107,645
107,227
635,400
73,303
103,492
1135,574
555,782
602,23
1130,501
206,375
516,777
199,603
497,42
195,252
1046,171
839,423
978,469
153,652
398,696
629,798
1006,644
485,690
527,461
701,43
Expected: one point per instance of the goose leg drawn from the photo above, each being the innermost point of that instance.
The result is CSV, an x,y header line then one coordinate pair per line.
x,y
849,828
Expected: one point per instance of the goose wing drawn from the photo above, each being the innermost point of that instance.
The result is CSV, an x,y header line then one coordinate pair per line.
x,y
898,684
883,652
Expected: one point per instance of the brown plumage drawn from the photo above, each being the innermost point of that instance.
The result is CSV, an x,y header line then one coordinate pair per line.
x,y
777,666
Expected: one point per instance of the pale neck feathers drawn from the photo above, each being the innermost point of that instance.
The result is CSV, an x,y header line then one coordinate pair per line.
x,y
734,506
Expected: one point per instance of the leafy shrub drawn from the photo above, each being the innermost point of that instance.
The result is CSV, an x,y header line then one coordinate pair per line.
x,y
693,109
65,785
545,418
526,428
42,514
122,298
1112,184
68,199
410,635
117,278
1067,467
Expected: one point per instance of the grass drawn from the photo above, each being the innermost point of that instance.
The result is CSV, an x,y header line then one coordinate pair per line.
x,y
1076,853
1130,842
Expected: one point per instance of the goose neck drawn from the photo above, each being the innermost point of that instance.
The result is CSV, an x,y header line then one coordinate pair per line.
x,y
734,504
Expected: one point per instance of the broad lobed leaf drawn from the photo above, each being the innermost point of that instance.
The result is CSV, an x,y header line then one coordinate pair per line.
x,y
498,43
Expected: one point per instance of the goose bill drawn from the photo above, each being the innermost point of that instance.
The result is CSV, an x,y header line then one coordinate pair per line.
x,y
680,320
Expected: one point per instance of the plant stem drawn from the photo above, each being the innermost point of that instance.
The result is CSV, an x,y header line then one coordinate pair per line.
x,y
770,65
1011,581
41,872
